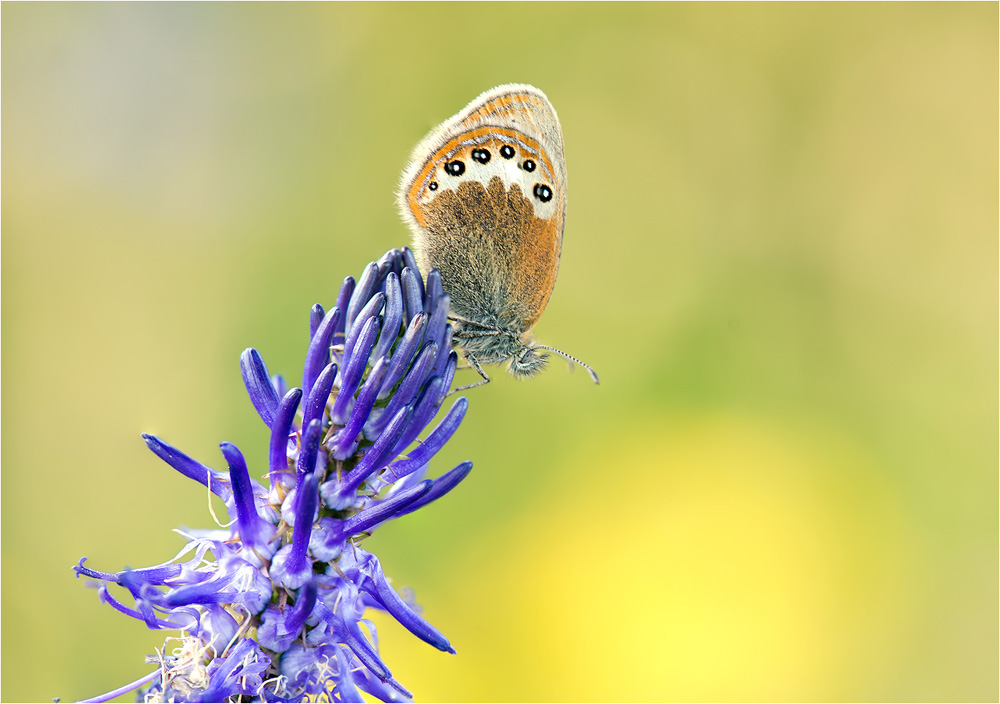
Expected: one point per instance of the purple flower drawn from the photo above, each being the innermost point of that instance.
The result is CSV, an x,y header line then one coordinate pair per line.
x,y
271,608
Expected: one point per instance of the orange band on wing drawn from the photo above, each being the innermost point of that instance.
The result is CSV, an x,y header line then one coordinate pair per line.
x,y
510,102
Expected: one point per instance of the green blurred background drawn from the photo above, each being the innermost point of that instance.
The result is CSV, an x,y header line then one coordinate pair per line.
x,y
780,255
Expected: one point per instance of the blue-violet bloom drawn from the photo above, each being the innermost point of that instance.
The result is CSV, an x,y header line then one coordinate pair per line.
x,y
271,608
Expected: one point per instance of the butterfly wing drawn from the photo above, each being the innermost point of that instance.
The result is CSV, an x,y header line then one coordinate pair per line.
x,y
485,197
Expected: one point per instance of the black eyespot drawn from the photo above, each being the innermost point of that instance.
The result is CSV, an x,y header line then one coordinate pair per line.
x,y
455,168
543,192
507,151
433,186
528,165
481,155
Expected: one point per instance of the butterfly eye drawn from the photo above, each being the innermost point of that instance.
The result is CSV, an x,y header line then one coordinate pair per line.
x,y
543,192
433,186
528,165
507,151
455,168
481,155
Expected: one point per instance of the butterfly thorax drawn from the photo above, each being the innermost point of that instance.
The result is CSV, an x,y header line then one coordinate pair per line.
x,y
486,345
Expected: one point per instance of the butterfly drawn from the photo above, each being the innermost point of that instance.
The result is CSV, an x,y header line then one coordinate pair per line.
x,y
484,195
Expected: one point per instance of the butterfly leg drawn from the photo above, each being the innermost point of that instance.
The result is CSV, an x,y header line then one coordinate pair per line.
x,y
478,367
468,334
473,323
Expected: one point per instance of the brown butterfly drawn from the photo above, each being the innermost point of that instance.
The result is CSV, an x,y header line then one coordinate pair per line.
x,y
485,197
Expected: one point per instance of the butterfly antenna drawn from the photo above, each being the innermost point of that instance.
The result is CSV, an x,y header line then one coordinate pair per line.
x,y
571,358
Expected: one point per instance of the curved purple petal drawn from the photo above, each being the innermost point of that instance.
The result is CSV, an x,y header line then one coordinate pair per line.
x,y
392,317
320,395
413,292
362,293
433,443
190,468
259,386
253,530
318,355
404,352
441,486
280,430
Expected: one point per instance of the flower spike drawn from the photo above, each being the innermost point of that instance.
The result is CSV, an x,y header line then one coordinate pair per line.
x,y
271,606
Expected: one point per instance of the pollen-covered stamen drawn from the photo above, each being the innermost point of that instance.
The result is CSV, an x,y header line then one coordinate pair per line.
x,y
237,674
280,432
184,668
291,567
318,355
254,532
259,386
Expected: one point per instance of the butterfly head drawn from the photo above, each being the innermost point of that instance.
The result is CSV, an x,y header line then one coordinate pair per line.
x,y
528,361
500,346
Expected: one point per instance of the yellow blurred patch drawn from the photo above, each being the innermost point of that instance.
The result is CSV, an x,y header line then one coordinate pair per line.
x,y
715,559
